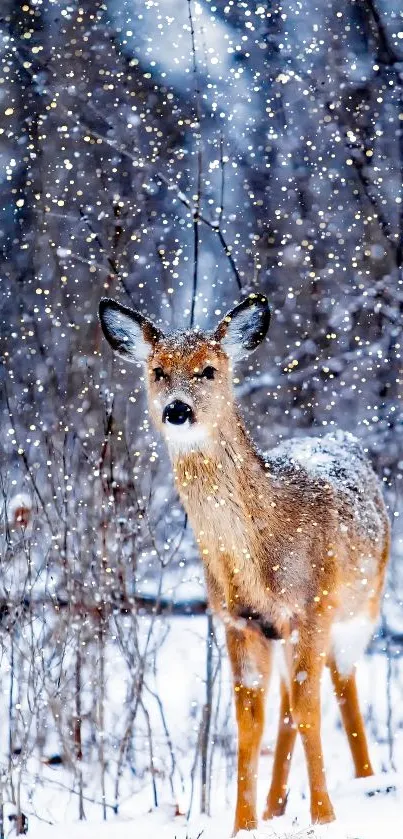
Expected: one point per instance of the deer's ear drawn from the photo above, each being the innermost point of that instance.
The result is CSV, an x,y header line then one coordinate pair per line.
x,y
130,334
243,328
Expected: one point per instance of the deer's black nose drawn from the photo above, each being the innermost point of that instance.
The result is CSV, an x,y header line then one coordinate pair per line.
x,y
177,413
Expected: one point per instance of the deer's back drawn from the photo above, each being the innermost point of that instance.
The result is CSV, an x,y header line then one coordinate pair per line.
x,y
338,463
334,477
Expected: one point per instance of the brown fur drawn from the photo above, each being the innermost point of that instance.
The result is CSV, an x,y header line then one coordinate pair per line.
x,y
282,543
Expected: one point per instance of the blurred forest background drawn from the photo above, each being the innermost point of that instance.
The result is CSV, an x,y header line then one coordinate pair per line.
x,y
176,154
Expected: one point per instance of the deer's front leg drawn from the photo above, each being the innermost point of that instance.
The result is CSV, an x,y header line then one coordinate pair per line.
x,y
250,655
305,676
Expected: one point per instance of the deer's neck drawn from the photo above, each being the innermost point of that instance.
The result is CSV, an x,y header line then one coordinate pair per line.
x,y
222,487
237,511
232,452
231,503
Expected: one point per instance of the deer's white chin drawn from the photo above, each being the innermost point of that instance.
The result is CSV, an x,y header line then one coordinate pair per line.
x,y
190,436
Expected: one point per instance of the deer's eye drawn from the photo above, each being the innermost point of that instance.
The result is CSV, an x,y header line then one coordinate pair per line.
x,y
159,374
208,373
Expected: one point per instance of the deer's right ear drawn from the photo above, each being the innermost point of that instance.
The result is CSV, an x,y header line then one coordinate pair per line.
x,y
130,334
243,328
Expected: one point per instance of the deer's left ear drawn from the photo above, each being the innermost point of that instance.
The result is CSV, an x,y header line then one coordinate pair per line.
x,y
244,327
129,333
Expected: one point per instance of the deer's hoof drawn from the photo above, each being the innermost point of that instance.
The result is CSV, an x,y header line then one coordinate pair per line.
x,y
322,812
245,823
275,806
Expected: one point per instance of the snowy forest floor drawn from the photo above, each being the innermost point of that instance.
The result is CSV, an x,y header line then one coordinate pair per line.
x,y
358,817
50,796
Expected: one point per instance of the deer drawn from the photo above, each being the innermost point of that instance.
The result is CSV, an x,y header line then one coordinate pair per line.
x,y
294,543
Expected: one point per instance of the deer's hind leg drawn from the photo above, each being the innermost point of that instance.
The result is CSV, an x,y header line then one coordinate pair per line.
x,y
287,732
345,688
250,655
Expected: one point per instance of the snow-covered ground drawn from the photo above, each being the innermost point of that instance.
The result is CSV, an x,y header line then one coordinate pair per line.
x,y
359,817
50,797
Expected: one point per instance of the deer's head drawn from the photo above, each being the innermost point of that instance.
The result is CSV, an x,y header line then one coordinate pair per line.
x,y
189,372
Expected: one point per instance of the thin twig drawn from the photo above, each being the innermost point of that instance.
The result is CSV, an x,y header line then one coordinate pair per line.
x,y
213,225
